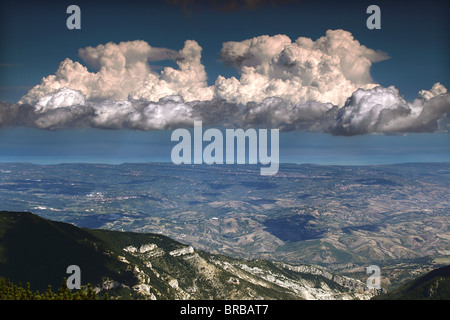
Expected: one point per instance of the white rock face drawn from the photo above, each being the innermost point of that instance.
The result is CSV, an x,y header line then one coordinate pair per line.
x,y
302,288
173,283
123,259
142,249
147,247
142,288
130,249
182,251
317,286
109,284
342,280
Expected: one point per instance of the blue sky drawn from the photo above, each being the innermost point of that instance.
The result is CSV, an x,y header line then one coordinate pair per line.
x,y
35,40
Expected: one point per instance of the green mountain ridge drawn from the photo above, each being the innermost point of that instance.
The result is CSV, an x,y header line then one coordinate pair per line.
x,y
129,265
434,285
37,250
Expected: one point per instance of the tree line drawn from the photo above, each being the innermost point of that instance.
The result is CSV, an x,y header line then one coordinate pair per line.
x,y
11,291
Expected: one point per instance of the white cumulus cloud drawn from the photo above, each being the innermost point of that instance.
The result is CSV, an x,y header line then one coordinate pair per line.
x,y
321,85
383,110
329,69
124,72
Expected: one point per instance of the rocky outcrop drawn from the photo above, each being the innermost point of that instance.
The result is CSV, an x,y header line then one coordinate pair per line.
x,y
142,249
146,250
181,252
162,268
308,288
346,282
109,284
147,247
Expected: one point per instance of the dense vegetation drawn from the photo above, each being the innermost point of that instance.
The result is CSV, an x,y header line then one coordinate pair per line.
x,y
11,291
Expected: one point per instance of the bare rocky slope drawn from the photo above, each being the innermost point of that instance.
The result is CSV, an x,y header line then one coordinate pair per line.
x,y
129,265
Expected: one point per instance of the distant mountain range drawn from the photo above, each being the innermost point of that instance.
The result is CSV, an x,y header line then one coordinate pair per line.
x,y
343,218
130,265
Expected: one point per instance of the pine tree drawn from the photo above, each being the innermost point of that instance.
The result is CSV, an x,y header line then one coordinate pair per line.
x,y
91,294
49,295
64,293
10,291
28,294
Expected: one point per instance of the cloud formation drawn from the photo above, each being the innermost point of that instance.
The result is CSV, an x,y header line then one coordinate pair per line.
x,y
329,69
304,85
383,110
376,110
123,72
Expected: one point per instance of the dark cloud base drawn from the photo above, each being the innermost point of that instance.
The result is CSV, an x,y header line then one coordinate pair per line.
x,y
379,110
